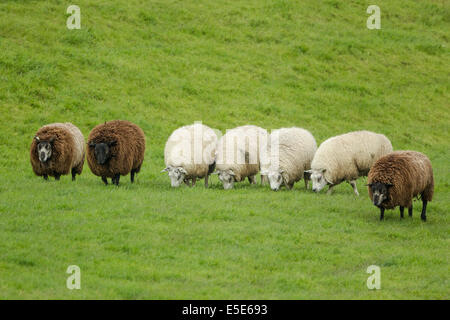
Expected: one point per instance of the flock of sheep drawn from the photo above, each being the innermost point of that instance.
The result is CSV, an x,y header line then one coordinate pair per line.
x,y
282,158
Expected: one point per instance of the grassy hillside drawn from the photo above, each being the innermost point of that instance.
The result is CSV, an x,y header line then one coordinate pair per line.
x,y
163,64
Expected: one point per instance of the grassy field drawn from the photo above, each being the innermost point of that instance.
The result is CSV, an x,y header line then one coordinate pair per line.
x,y
166,63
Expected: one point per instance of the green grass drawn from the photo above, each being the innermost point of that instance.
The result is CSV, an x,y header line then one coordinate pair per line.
x,y
163,64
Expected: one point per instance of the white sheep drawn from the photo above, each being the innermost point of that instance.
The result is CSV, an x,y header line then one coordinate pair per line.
x,y
346,158
290,151
238,154
189,154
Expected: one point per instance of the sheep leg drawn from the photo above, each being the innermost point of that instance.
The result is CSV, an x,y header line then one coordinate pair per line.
x,y
330,189
116,179
194,180
381,213
132,176
410,210
73,174
57,177
263,179
401,211
252,179
206,181
45,177
306,183
289,186
105,181
353,184
423,216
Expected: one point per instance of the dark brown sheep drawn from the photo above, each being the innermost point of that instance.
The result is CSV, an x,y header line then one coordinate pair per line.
x,y
56,150
116,148
396,178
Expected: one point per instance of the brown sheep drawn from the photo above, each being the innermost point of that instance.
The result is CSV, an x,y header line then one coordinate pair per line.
x,y
396,178
56,150
116,148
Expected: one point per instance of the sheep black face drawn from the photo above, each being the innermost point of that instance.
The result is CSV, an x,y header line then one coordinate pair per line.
x,y
380,192
44,149
102,151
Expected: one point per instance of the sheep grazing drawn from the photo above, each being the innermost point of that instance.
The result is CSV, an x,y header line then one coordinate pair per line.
x,y
189,154
238,154
291,152
116,148
56,150
395,179
346,158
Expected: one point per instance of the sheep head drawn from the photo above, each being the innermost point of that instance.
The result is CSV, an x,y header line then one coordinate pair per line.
x,y
227,177
318,179
176,175
44,148
380,192
102,151
277,178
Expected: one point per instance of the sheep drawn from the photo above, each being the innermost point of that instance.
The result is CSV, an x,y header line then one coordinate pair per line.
x,y
189,154
396,178
291,152
116,148
238,154
346,158
56,150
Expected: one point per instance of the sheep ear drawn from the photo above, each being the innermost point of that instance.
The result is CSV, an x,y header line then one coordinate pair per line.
x,y
307,174
323,170
165,169
231,173
111,143
52,140
368,185
182,170
37,139
389,185
91,144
